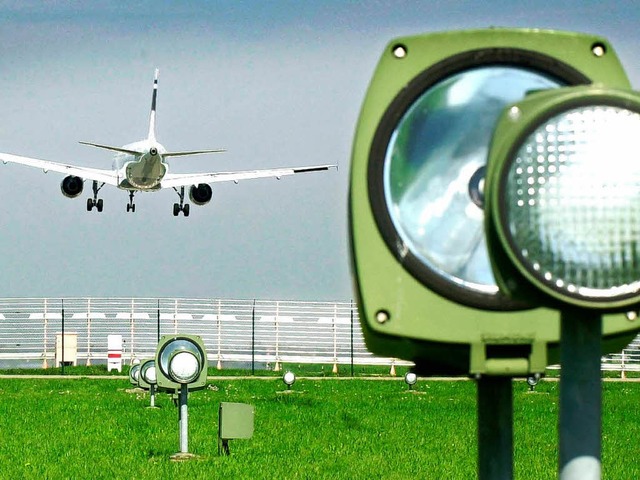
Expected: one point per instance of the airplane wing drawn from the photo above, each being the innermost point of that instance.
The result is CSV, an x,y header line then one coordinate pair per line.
x,y
105,176
188,179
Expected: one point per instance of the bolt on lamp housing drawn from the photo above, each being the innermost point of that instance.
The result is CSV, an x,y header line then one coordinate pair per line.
x,y
424,280
181,360
563,199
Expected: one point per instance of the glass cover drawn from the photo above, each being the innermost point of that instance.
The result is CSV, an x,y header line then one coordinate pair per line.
x,y
572,202
434,169
173,348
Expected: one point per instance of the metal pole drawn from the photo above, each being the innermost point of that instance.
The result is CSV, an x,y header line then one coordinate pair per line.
x,y
183,419
62,320
152,396
495,428
580,395
351,311
253,339
158,335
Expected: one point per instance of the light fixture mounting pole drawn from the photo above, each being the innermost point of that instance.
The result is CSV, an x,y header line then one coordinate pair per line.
x,y
495,427
183,419
580,423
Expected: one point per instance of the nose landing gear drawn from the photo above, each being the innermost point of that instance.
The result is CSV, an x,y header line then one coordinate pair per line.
x,y
131,207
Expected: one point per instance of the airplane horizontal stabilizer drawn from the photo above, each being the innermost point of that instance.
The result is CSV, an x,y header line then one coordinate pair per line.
x,y
113,149
191,152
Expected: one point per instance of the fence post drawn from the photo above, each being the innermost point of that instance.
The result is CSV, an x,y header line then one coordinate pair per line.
x,y
44,362
253,338
335,339
158,322
88,332
276,367
351,323
219,364
131,328
62,303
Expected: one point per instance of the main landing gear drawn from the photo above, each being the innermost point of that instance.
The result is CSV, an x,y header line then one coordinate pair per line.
x,y
131,207
95,201
180,207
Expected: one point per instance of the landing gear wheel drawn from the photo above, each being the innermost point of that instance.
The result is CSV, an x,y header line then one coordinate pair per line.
x,y
180,207
131,207
95,201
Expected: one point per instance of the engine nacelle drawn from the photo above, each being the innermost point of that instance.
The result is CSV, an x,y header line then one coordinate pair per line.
x,y
200,194
71,186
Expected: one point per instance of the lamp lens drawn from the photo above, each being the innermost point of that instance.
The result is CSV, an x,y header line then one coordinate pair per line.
x,y
184,367
410,378
571,203
133,374
289,378
149,374
434,169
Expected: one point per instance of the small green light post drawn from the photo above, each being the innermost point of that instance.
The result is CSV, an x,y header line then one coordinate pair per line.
x,y
147,379
181,362
134,374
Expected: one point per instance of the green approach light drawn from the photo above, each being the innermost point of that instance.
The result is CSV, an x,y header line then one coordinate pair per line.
x,y
181,360
425,283
564,192
147,374
134,373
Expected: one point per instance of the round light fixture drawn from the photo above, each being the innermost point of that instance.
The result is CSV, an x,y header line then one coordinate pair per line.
x,y
134,372
180,359
410,379
289,378
568,202
148,372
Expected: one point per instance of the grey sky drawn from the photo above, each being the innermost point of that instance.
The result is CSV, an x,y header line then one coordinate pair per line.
x,y
275,83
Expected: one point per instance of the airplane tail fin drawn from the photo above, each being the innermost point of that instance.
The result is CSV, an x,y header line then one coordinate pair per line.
x,y
152,116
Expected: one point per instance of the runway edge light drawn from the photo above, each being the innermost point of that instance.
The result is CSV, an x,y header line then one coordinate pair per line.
x,y
423,277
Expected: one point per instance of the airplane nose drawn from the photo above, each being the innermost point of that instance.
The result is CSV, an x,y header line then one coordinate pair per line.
x,y
153,151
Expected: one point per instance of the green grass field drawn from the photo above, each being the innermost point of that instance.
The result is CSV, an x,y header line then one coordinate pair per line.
x,y
333,428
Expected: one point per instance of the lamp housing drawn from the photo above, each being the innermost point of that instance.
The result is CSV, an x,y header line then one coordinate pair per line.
x,y
181,360
134,374
147,375
563,199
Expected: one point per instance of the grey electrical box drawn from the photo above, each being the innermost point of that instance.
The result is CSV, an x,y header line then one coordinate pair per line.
x,y
235,420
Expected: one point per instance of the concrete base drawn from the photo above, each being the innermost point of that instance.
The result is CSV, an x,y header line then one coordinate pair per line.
x,y
183,457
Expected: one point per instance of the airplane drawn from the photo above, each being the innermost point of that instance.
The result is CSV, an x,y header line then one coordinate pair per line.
x,y
142,166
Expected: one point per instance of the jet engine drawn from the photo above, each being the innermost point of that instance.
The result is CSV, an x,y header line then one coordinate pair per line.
x,y
71,186
200,194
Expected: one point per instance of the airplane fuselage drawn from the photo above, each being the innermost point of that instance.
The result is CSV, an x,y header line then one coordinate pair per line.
x,y
141,172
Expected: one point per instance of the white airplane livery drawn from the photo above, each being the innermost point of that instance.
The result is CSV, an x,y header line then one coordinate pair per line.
x,y
142,167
